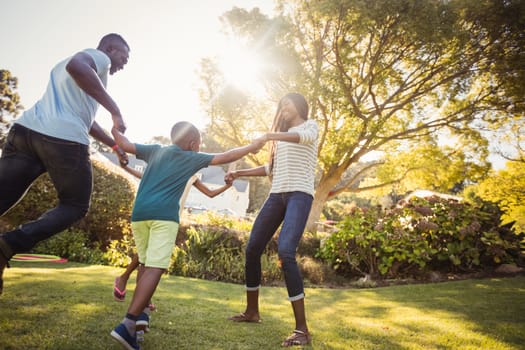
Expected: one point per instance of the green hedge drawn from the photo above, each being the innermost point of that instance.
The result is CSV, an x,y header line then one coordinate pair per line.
x,y
74,245
425,234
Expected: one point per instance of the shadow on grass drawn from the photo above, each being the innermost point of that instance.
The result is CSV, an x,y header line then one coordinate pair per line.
x,y
70,306
49,306
486,308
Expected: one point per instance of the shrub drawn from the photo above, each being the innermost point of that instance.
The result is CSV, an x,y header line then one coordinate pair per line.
x,y
73,245
40,198
315,271
119,251
210,254
309,244
215,253
271,269
111,204
435,232
367,243
466,235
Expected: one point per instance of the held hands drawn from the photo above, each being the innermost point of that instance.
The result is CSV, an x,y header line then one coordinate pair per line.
x,y
230,176
118,123
122,156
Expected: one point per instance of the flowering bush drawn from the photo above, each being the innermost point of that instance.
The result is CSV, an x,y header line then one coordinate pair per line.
x,y
434,233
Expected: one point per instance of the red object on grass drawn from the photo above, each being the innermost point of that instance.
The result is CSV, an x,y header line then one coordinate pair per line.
x,y
38,258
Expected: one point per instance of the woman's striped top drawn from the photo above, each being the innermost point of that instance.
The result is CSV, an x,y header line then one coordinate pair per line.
x,y
294,163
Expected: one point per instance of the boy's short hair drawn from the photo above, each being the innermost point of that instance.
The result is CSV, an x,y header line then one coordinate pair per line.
x,y
183,132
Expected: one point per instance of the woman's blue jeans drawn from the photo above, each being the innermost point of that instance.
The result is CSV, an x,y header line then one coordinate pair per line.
x,y
28,154
292,210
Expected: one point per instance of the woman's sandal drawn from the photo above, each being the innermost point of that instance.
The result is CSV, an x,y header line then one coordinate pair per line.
x,y
119,295
297,338
243,318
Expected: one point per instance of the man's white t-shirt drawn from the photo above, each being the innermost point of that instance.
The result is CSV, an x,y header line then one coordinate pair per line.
x,y
66,111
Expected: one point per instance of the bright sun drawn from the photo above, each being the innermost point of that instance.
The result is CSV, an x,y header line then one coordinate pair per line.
x,y
241,68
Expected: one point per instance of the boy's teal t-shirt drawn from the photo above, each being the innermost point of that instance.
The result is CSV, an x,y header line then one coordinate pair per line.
x,y
162,184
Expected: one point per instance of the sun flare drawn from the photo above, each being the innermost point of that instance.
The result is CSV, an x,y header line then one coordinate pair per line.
x,y
242,68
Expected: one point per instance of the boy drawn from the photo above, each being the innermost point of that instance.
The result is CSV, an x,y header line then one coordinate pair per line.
x,y
119,287
155,216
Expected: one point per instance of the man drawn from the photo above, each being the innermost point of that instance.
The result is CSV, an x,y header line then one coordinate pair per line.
x,y
53,137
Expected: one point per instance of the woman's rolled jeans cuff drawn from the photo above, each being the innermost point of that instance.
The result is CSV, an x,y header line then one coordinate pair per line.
x,y
297,297
252,289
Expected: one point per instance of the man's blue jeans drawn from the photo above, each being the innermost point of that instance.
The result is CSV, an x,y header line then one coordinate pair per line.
x,y
292,210
28,154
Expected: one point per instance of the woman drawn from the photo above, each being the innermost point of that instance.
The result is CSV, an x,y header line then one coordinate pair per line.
x,y
291,168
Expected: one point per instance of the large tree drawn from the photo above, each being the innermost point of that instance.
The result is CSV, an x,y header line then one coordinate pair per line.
x,y
9,101
383,75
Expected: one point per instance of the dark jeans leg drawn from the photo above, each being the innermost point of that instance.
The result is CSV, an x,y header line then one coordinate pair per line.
x,y
18,168
264,227
68,166
298,205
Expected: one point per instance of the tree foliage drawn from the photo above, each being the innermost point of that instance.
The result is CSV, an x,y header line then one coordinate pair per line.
x,y
504,23
9,101
506,187
424,165
384,75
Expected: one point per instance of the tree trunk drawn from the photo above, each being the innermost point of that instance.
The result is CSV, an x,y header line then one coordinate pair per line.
x,y
315,214
326,184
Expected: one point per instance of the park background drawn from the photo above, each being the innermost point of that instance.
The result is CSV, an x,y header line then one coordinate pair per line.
x,y
410,95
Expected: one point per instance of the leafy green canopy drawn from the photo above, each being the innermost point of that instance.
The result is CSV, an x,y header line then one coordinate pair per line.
x,y
382,77
507,188
9,101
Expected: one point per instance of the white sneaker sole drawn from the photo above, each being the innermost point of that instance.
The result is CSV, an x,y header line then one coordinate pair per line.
x,y
121,340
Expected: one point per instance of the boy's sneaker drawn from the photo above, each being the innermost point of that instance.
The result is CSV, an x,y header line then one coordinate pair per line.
x,y
142,323
121,334
140,336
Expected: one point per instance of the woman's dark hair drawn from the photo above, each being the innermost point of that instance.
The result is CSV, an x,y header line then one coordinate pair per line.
x,y
279,124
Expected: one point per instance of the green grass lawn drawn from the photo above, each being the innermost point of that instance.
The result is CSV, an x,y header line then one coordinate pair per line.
x,y
70,306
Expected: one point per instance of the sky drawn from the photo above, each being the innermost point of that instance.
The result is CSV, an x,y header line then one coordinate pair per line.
x,y
168,38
